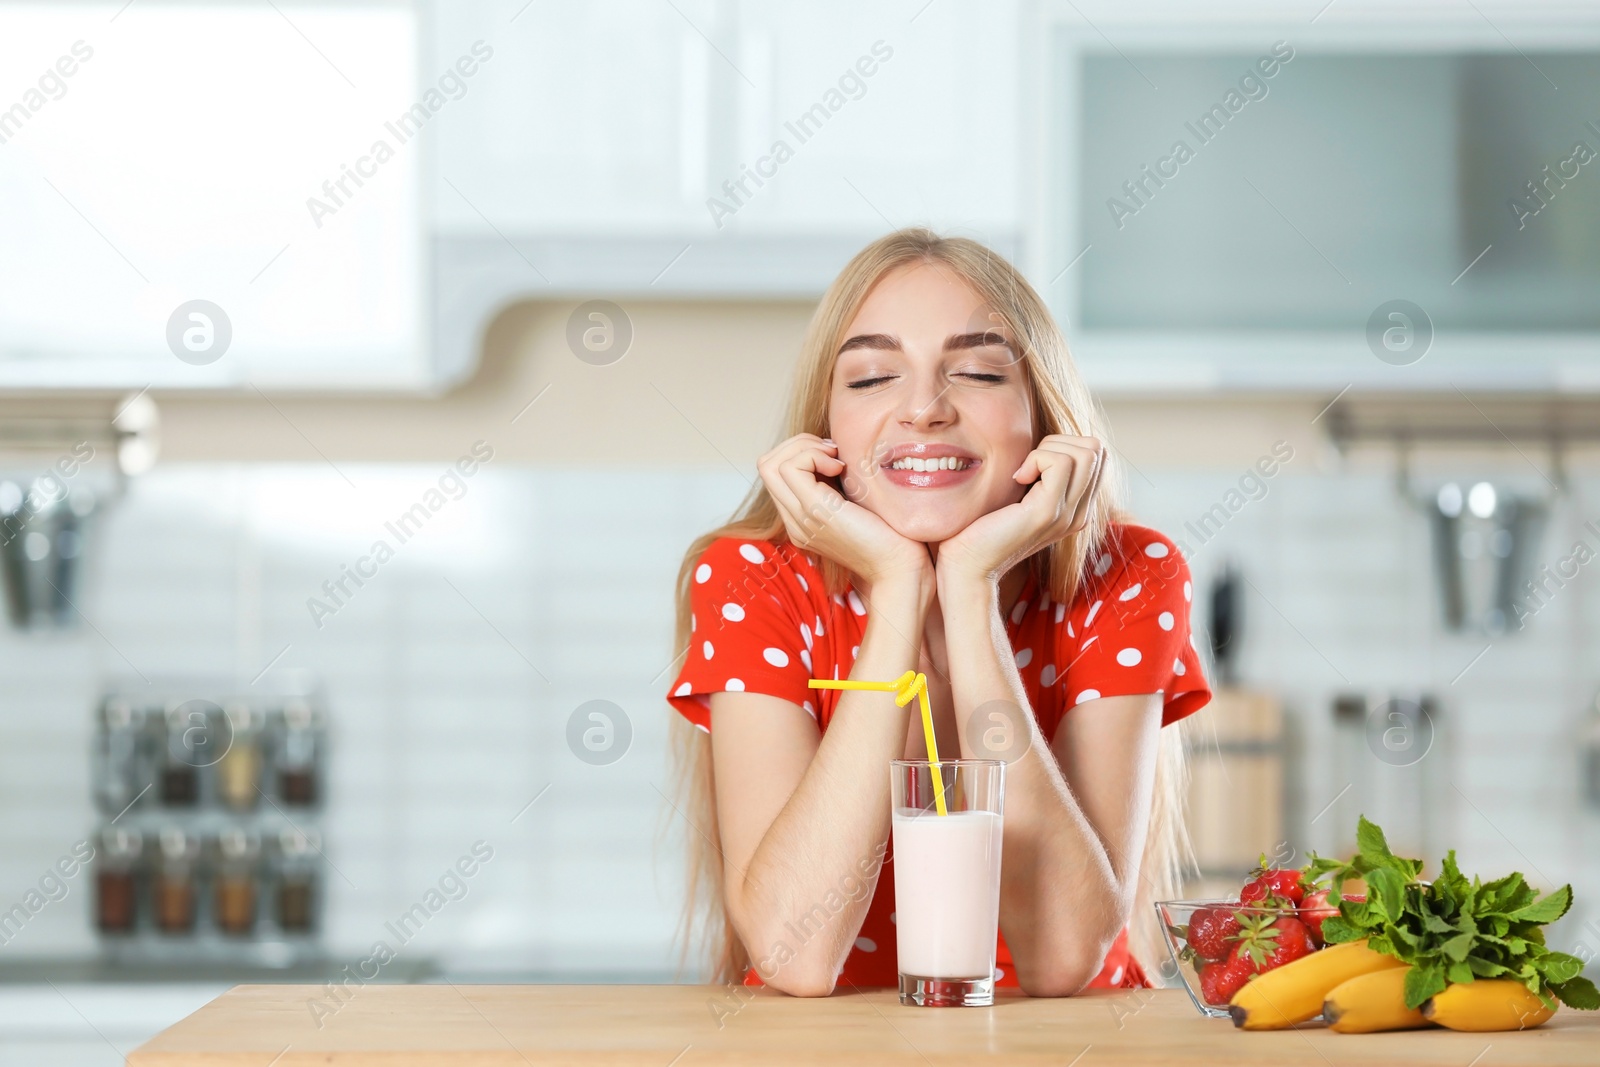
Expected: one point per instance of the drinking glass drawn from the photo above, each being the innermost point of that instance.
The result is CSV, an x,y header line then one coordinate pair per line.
x,y
947,879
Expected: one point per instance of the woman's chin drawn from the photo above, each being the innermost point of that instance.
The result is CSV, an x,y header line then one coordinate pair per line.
x,y
929,529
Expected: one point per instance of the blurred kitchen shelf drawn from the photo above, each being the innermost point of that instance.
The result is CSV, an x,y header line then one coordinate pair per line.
x,y
29,970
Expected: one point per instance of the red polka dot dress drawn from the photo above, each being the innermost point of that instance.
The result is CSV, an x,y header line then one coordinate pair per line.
x,y
763,623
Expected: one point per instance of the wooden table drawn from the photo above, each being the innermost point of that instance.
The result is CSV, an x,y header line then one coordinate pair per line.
x,y
680,1026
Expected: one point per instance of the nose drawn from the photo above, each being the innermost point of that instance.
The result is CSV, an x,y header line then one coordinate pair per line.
x,y
927,404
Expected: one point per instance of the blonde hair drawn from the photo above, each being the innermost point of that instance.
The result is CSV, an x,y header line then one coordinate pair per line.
x,y
1063,405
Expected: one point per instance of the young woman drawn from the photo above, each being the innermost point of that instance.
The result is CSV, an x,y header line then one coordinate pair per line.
x,y
939,503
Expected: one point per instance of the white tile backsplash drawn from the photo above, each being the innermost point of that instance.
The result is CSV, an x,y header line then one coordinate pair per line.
x,y
449,705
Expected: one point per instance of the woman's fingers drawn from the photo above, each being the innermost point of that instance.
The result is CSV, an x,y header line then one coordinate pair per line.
x,y
790,472
815,502
1067,471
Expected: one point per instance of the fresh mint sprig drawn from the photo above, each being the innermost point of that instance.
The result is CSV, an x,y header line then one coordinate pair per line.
x,y
1451,930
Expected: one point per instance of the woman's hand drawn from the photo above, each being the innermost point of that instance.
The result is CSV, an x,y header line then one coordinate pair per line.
x,y
819,519
1064,472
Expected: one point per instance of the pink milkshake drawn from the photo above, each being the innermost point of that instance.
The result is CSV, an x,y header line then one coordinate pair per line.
x,y
947,881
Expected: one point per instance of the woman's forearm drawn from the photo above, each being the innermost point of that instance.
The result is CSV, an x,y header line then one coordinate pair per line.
x,y
1060,891
810,881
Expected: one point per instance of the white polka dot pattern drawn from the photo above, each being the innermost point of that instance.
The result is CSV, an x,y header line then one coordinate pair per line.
x,y
1117,636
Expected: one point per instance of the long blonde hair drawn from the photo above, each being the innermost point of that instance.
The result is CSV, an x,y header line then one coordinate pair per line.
x,y
1064,405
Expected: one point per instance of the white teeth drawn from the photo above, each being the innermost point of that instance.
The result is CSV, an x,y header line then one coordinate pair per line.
x,y
943,463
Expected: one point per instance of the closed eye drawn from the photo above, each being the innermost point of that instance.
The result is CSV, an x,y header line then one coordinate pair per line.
x,y
977,376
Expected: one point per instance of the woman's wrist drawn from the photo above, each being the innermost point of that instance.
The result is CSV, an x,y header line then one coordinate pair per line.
x,y
906,590
965,589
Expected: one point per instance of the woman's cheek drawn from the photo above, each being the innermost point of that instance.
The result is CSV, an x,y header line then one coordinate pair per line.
x,y
851,484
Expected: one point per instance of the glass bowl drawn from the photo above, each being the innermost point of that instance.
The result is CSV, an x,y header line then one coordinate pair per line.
x,y
1183,961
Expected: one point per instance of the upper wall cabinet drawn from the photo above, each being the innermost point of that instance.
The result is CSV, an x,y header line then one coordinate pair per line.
x,y
1391,198
212,195
343,194
701,118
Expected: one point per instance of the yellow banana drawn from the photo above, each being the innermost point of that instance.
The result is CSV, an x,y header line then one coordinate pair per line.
x,y
1486,1004
1371,1002
1294,992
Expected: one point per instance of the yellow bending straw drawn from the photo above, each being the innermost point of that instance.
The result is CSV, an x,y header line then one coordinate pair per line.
x,y
908,684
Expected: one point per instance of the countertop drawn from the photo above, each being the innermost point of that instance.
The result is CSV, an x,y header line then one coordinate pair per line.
x,y
681,1025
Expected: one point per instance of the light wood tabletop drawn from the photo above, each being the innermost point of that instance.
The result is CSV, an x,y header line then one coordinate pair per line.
x,y
684,1025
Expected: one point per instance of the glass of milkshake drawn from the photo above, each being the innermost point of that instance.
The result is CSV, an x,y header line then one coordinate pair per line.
x,y
947,879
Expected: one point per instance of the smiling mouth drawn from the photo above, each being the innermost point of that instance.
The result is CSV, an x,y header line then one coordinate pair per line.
x,y
942,463
941,472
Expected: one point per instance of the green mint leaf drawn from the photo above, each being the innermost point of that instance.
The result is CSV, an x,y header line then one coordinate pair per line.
x,y
1547,909
1485,968
1374,847
1387,890
1457,947
1433,924
1577,993
1336,931
1422,982
1560,967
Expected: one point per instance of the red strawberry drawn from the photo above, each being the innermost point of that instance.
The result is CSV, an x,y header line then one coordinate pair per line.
x,y
1317,907
1273,882
1266,942
1210,930
1219,981
1313,909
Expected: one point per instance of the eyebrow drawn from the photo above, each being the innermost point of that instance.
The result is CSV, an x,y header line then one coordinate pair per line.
x,y
954,343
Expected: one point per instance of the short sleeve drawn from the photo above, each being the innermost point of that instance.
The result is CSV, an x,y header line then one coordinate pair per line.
x,y
1131,633
747,634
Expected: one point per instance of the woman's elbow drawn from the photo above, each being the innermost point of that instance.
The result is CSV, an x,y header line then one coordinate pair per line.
x,y
1066,980
802,983
1067,975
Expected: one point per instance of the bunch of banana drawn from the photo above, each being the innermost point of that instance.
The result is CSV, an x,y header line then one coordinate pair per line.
x,y
1359,991
1295,992
1377,1001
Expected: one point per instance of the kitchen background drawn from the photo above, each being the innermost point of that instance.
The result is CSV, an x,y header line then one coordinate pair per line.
x,y
1385,652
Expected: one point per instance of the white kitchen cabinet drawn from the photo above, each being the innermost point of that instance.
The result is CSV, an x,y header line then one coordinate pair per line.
x,y
628,116
158,155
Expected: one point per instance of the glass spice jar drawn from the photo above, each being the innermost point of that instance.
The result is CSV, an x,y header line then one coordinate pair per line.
x,y
238,774
175,881
180,774
297,757
297,880
116,886
119,763
236,882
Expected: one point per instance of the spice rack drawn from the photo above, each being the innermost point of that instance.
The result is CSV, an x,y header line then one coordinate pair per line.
x,y
209,847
